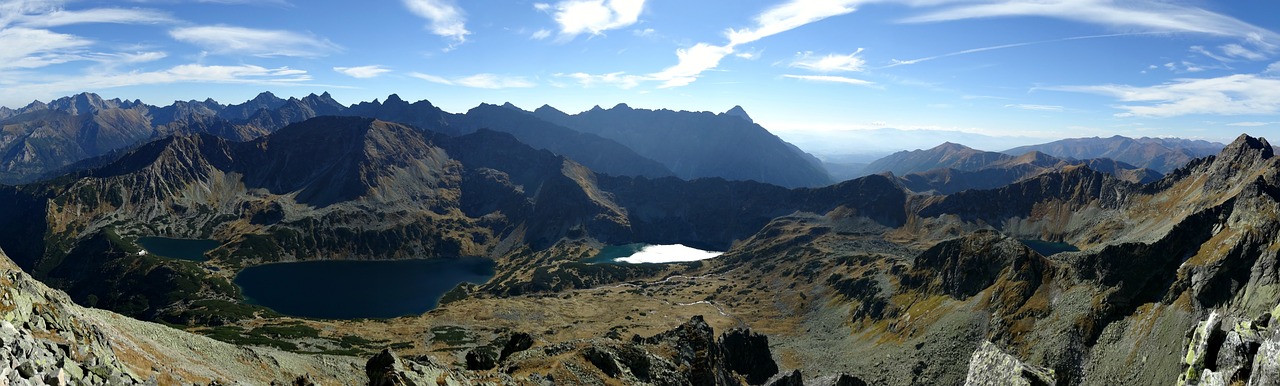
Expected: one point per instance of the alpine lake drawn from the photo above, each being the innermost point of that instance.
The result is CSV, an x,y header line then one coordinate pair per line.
x,y
339,289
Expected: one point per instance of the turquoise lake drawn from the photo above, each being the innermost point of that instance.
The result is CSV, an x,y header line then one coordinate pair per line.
x,y
358,289
1047,248
185,249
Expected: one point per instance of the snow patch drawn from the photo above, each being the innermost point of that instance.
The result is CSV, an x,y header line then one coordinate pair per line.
x,y
667,254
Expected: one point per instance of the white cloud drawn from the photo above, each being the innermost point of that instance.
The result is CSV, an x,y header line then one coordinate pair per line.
x,y
788,16
544,7
362,72
98,15
34,48
647,32
702,57
831,79
618,79
1239,51
693,61
593,17
540,34
485,81
1030,107
1239,94
830,63
230,40
1273,69
443,16
187,73
1249,124
1142,14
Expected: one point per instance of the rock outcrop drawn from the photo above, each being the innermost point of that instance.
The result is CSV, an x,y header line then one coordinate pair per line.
x,y
991,366
1228,351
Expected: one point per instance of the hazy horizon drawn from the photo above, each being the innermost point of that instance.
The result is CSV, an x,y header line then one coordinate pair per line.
x,y
821,68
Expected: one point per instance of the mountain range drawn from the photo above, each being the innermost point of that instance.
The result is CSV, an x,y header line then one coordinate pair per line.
x,y
42,139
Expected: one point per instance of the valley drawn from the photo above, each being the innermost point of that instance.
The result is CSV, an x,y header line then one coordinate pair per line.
x,y
475,257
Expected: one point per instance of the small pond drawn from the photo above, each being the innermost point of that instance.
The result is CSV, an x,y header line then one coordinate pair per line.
x,y
647,253
358,289
185,249
1047,248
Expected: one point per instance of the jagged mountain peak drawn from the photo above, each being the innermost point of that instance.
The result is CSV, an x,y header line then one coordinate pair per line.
x,y
394,99
512,106
547,109
1245,144
738,111
83,103
265,97
621,106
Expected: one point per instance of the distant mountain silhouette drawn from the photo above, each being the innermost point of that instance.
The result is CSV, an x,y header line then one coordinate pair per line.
x,y
1159,154
951,168
700,144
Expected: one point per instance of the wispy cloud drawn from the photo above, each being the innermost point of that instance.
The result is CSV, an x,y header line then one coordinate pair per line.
x,y
485,81
830,63
362,72
1030,107
1147,15
897,62
98,15
229,40
788,16
1239,51
540,34
617,79
34,48
701,57
1239,94
576,17
831,79
1249,124
187,73
444,18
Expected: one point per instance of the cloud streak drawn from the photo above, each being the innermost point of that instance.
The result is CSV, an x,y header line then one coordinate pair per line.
x,y
1030,107
362,72
484,81
831,62
831,79
444,18
1239,94
230,40
1151,16
187,73
99,15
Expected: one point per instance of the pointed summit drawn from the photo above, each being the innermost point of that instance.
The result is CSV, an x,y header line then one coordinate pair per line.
x,y
394,99
266,98
1246,146
738,111
512,106
82,103
621,106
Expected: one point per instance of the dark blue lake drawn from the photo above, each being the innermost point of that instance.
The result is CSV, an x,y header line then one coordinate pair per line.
x,y
358,289
185,249
1046,248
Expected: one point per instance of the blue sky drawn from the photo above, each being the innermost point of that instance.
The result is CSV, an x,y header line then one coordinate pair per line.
x,y
820,73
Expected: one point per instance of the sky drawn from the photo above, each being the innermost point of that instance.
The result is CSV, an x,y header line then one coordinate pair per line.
x,y
833,76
